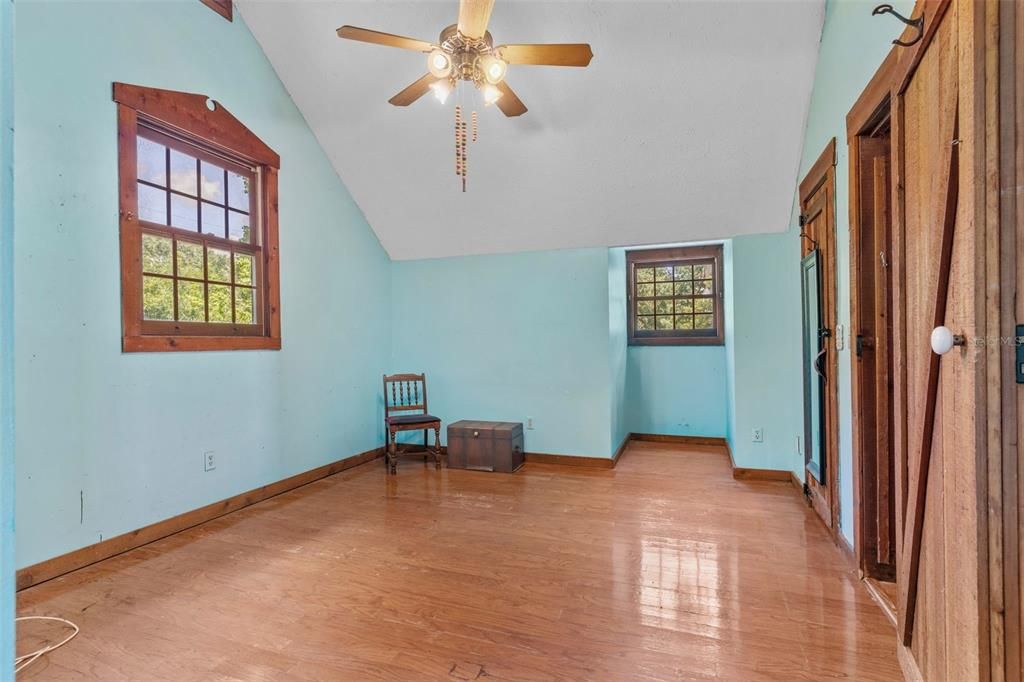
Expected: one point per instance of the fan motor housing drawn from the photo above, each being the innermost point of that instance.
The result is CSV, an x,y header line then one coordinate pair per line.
x,y
465,52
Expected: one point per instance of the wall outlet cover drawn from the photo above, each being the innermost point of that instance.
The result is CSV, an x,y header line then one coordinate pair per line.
x,y
209,461
529,423
757,435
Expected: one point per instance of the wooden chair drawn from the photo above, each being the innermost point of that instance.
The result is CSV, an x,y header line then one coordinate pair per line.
x,y
406,394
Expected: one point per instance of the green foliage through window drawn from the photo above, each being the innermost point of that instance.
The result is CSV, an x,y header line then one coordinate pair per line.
x,y
210,284
675,298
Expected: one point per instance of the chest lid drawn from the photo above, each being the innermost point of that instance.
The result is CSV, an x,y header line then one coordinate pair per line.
x,y
498,430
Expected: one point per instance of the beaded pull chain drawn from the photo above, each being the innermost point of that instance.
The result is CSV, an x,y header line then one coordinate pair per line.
x,y
474,127
458,144
464,157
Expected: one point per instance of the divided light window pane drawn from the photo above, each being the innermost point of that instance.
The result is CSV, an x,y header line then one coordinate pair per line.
x,y
191,279
675,297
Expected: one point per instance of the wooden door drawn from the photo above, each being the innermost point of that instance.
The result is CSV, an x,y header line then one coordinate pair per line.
x,y
955,100
938,281
817,219
1006,492
871,311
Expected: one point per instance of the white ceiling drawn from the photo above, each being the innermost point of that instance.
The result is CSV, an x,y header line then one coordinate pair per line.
x,y
687,125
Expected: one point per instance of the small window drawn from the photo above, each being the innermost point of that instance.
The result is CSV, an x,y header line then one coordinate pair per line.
x,y
198,227
674,296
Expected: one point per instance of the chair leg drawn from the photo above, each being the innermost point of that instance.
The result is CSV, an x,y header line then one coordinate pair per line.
x,y
437,447
391,458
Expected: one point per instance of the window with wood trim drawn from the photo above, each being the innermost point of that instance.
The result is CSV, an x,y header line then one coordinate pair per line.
x,y
198,207
674,296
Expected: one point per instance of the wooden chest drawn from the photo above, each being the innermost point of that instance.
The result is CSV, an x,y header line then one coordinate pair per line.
x,y
486,446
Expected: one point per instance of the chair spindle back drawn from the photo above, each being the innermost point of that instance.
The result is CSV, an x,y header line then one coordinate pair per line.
x,y
405,393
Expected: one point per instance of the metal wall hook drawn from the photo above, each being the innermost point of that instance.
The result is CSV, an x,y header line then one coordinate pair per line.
x,y
916,23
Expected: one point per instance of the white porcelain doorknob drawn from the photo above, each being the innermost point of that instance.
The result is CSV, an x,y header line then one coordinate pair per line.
x,y
943,340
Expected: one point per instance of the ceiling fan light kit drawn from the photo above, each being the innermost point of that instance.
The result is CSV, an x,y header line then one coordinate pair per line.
x,y
465,51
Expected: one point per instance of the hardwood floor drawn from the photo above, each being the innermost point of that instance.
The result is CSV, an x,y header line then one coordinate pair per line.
x,y
664,568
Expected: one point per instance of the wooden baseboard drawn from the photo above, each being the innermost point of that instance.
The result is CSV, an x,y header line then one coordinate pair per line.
x,y
797,483
747,474
682,440
882,599
621,449
846,548
601,462
80,558
571,460
911,673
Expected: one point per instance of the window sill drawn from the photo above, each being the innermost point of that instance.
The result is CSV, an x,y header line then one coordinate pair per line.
x,y
670,341
163,344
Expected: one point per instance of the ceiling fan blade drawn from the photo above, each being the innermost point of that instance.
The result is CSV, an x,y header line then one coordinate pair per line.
x,y
509,102
473,17
413,92
389,39
566,54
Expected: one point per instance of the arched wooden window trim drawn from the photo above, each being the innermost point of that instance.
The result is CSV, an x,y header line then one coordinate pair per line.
x,y
206,124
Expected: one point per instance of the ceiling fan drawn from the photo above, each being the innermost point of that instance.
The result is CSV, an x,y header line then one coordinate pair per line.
x,y
466,52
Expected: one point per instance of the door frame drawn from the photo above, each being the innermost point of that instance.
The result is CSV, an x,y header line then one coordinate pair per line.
x,y
822,173
875,105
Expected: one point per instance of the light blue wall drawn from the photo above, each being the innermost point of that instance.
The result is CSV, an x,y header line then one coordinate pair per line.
x,y
109,442
507,337
669,390
854,43
766,383
617,340
6,341
677,390
730,346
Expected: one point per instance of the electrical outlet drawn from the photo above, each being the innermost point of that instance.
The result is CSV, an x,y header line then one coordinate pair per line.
x,y
529,423
799,446
209,461
757,435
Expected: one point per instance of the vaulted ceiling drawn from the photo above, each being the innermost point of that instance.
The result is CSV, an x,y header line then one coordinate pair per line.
x,y
687,124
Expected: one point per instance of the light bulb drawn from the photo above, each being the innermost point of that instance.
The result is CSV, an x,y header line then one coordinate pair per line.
x,y
494,69
439,64
491,94
441,90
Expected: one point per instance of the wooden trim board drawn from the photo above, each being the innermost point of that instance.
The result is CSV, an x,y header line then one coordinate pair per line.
x,y
571,460
622,448
683,440
80,558
818,172
747,474
881,598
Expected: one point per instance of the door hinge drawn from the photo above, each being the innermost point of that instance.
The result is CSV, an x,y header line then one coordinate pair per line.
x,y
802,219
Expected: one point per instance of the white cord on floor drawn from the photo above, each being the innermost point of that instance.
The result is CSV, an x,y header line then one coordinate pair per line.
x,y
22,662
